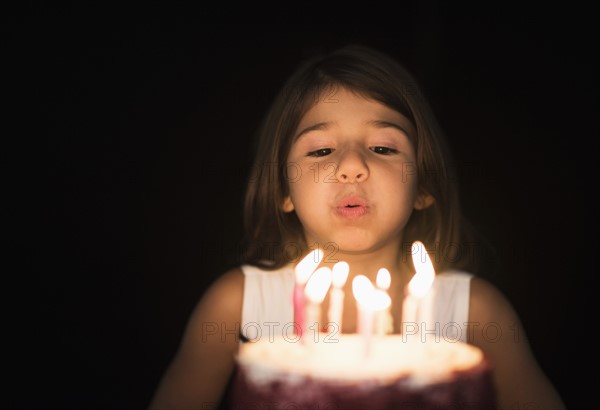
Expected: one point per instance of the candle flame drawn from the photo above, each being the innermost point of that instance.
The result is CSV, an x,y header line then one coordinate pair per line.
x,y
362,288
384,279
318,284
307,265
369,297
422,281
381,300
340,273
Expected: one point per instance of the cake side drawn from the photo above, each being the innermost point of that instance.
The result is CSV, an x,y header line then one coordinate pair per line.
x,y
396,373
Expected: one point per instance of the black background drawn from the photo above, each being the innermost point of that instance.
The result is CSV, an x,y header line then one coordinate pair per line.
x,y
129,137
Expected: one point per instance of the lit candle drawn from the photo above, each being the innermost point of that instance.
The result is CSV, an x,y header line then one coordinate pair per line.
x,y
417,307
369,301
315,291
302,272
339,276
384,323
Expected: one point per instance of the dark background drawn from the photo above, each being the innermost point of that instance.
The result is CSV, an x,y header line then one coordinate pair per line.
x,y
129,137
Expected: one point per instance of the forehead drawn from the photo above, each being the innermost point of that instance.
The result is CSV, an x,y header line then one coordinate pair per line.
x,y
338,106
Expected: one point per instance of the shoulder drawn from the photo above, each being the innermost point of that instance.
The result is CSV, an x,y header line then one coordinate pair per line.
x,y
224,296
487,302
220,305
204,361
495,323
229,284
495,327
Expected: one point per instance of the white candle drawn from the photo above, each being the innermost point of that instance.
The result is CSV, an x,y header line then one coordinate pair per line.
x,y
418,304
339,276
302,272
369,301
362,288
409,314
315,291
425,314
384,322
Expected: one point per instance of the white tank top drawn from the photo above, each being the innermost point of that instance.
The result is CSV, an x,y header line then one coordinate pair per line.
x,y
268,308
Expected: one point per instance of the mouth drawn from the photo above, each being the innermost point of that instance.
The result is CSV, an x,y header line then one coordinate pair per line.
x,y
352,207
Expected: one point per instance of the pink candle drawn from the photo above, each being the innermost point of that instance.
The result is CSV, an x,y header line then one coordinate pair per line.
x,y
302,273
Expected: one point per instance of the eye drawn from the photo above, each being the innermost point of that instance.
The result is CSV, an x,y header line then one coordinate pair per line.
x,y
383,150
320,152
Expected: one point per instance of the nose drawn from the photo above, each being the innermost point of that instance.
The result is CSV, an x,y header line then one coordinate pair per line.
x,y
352,168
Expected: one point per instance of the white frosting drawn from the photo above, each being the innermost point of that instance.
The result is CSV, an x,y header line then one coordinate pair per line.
x,y
344,358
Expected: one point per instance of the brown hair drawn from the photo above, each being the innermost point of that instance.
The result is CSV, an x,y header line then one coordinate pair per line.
x,y
274,238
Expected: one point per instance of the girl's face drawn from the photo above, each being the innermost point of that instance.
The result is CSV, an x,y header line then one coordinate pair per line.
x,y
352,174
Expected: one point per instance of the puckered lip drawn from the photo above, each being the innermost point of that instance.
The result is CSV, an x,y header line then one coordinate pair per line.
x,y
352,201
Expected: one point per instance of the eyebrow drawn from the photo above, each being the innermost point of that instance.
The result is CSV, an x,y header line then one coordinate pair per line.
x,y
387,124
374,123
317,127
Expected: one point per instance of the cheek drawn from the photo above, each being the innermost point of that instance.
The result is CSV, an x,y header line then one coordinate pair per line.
x,y
403,175
307,176
407,176
302,189
293,173
309,192
315,172
399,190
408,172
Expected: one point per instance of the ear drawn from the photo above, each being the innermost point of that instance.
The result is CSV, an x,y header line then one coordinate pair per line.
x,y
287,205
423,201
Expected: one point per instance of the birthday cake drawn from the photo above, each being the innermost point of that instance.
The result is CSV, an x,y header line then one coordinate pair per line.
x,y
344,372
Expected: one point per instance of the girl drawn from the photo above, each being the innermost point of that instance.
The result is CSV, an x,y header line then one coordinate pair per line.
x,y
351,160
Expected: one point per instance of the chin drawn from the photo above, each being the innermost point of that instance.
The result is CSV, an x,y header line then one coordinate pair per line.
x,y
348,240
352,247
